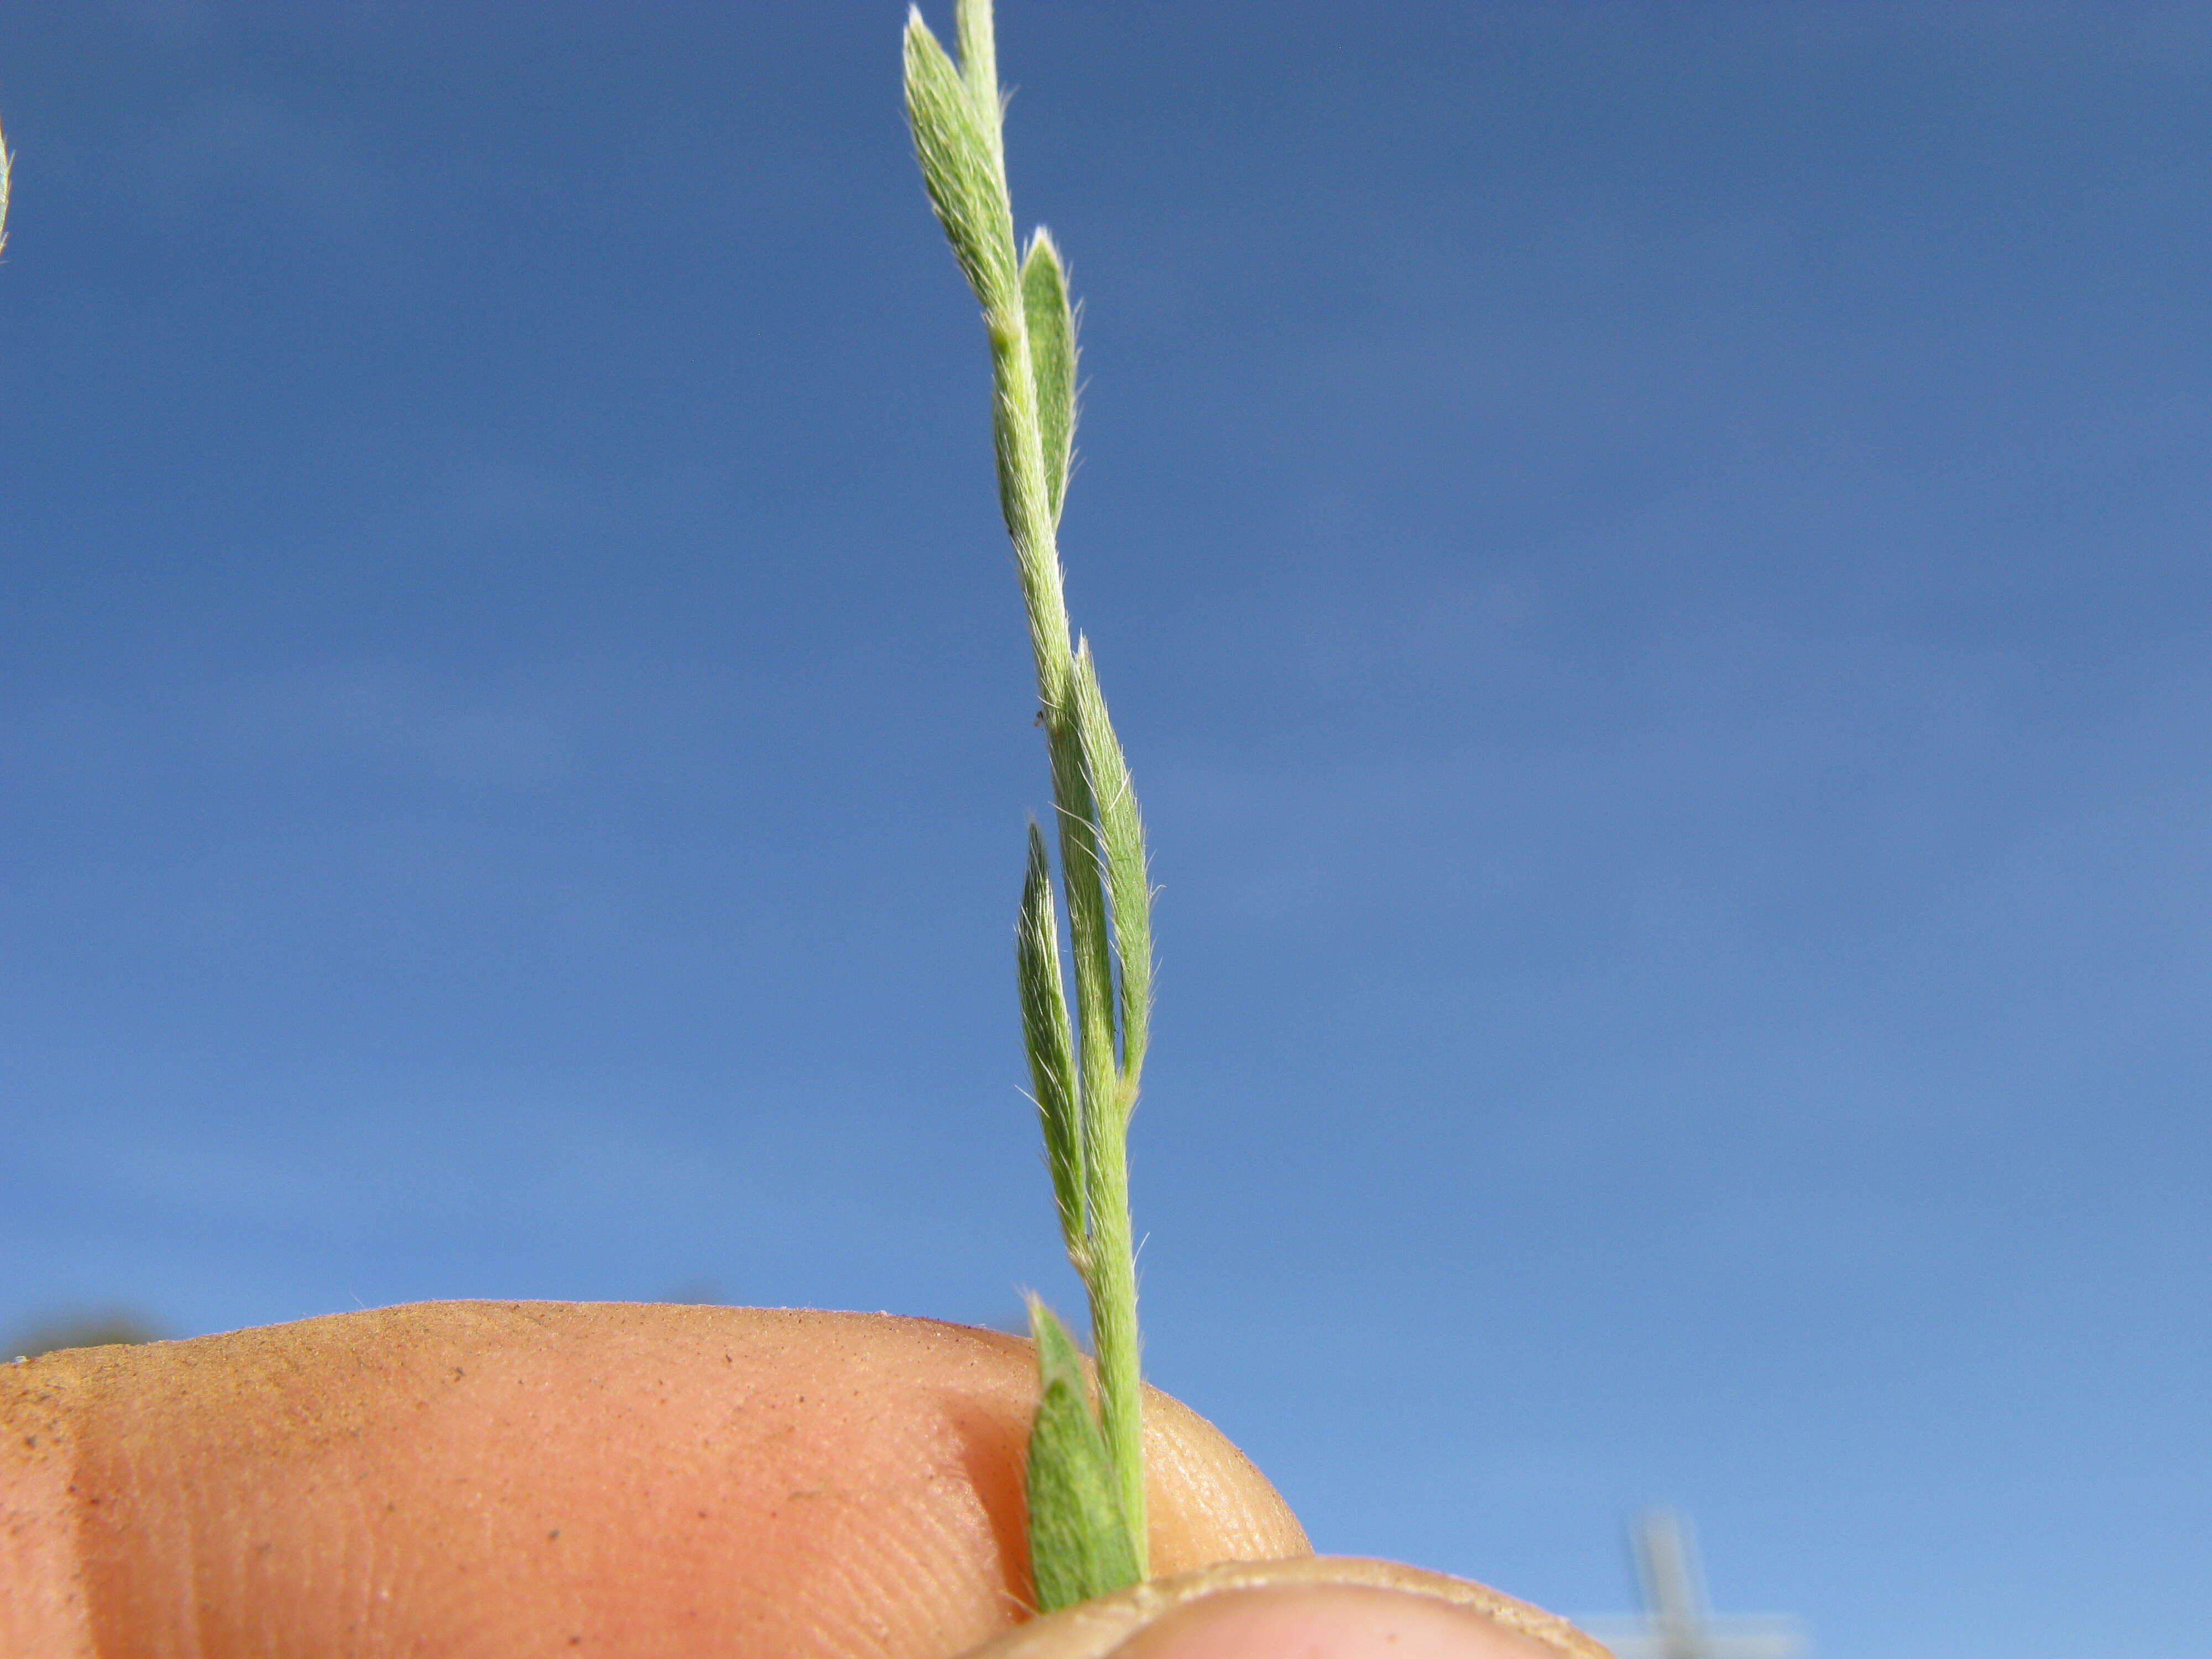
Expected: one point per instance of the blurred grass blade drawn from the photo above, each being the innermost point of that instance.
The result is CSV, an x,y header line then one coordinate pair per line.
x,y
1051,1051
1051,322
1079,1540
960,168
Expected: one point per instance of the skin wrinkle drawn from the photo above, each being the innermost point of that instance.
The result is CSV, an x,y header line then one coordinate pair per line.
x,y
392,1482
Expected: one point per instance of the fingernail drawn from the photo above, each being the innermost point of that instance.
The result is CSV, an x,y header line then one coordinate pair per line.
x,y
1326,1622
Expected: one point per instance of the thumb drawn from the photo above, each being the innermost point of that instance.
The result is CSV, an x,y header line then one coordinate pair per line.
x,y
1342,1608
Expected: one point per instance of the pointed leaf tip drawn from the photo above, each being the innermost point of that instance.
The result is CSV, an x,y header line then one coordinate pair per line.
x,y
1050,320
960,168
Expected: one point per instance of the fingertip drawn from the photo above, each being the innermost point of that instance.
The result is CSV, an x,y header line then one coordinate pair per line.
x,y
1346,1607
42,1602
1206,1501
481,1479
1345,1621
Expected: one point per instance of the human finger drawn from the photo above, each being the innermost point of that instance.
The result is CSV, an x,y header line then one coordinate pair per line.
x,y
490,1479
1342,1606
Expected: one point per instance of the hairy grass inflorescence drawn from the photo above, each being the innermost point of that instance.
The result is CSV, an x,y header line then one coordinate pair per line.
x,y
1086,1475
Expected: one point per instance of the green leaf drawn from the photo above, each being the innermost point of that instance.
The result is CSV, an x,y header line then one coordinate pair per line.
x,y
1078,1543
960,168
1051,322
1051,1049
1122,833
1090,931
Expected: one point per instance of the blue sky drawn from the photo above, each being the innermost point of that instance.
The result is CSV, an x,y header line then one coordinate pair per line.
x,y
1650,563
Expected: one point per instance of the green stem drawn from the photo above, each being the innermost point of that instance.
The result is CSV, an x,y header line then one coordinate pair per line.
x,y
1103,1255
1112,1284
1022,499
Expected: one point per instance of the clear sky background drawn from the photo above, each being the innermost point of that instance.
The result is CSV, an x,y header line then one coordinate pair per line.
x,y
1651,561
